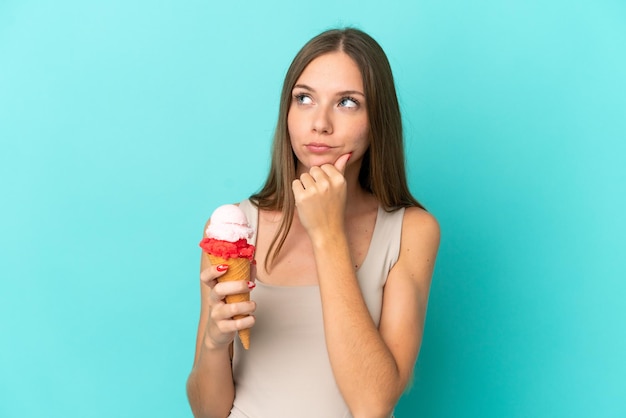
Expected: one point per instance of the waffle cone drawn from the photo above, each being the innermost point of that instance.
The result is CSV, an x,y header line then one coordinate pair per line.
x,y
238,269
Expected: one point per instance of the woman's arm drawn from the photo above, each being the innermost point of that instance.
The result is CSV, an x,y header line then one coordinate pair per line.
x,y
371,365
210,386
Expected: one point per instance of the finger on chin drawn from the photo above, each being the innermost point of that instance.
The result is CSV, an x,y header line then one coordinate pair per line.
x,y
342,161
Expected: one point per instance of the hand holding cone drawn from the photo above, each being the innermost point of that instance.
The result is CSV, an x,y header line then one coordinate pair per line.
x,y
226,242
238,269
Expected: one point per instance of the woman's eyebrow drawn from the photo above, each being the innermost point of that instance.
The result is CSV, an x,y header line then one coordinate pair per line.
x,y
350,93
303,86
340,93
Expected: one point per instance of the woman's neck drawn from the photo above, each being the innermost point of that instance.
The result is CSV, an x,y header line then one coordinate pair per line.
x,y
357,198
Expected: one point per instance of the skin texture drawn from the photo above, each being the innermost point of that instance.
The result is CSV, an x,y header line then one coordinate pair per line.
x,y
328,240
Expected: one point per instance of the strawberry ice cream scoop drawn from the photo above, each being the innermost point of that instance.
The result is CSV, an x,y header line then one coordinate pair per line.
x,y
228,233
229,223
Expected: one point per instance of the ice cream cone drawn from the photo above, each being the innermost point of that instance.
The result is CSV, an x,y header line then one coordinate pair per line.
x,y
238,269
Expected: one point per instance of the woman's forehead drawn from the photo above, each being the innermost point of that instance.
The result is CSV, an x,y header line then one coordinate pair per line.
x,y
332,71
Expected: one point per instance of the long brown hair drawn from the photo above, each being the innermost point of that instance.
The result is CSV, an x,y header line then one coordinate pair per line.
x,y
382,171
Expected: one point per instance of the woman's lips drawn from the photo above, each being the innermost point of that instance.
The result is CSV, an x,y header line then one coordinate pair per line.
x,y
318,147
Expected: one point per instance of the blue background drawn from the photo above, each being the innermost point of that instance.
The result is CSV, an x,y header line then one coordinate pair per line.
x,y
123,124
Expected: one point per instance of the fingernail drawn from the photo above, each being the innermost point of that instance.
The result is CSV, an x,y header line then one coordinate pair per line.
x,y
222,267
251,285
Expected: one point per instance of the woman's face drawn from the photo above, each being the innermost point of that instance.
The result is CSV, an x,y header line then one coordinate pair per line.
x,y
328,116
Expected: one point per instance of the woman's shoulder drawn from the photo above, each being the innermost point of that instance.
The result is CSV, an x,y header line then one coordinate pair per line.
x,y
420,224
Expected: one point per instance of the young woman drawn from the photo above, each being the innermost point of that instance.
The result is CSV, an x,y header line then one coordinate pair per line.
x,y
344,254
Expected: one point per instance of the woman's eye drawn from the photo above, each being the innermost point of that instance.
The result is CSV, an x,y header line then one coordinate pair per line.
x,y
302,99
348,102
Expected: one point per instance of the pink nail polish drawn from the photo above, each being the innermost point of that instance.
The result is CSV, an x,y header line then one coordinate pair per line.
x,y
222,267
251,285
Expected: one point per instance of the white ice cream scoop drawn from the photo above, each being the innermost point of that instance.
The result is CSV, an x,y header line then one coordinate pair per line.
x,y
229,223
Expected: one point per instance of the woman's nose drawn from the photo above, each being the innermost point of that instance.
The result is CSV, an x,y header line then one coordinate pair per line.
x,y
322,121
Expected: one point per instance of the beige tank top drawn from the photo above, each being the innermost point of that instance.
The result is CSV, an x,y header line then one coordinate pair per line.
x,y
286,372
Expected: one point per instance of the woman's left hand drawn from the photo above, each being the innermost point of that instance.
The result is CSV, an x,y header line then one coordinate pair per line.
x,y
320,197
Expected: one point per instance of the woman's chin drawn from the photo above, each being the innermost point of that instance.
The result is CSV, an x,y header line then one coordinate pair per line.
x,y
315,162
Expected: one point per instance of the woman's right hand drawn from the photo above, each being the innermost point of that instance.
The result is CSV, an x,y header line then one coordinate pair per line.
x,y
221,327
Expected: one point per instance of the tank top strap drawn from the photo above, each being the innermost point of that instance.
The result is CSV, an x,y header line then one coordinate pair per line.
x,y
386,243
